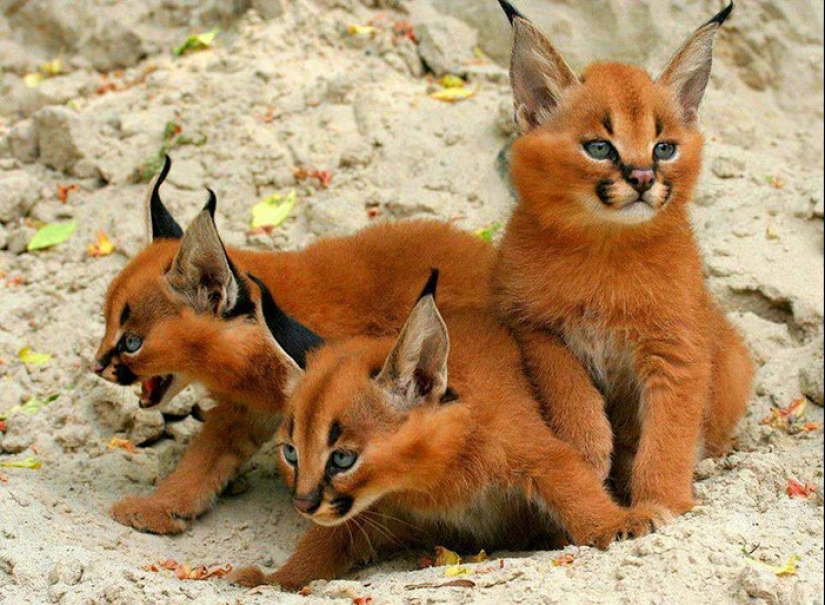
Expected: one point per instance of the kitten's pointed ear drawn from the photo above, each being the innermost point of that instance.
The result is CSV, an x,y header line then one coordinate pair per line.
x,y
160,223
416,369
292,340
688,73
202,274
538,72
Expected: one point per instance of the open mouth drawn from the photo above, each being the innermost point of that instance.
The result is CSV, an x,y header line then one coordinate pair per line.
x,y
154,390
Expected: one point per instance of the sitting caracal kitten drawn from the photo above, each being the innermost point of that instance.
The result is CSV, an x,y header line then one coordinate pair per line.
x,y
429,439
181,312
600,276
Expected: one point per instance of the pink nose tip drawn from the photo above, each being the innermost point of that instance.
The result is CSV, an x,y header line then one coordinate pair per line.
x,y
307,505
642,180
99,369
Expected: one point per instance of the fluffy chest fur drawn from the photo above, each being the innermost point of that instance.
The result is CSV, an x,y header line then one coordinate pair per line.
x,y
608,354
496,518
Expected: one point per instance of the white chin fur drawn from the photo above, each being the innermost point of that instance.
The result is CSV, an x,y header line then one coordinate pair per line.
x,y
634,214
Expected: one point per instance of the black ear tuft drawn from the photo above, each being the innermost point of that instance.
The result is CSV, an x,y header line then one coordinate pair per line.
x,y
295,338
723,16
511,11
164,225
212,204
432,284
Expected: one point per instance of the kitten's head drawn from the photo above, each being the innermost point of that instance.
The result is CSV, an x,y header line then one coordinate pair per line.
x,y
366,420
178,293
612,146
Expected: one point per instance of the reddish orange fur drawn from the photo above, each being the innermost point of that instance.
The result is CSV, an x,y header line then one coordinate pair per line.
x,y
362,284
483,471
569,277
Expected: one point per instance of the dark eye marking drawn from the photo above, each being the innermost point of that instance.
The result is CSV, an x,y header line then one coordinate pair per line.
x,y
125,315
660,127
607,122
290,426
334,433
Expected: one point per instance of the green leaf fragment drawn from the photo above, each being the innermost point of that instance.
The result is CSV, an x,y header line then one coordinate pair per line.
x,y
31,463
31,358
31,407
488,233
273,210
51,235
196,42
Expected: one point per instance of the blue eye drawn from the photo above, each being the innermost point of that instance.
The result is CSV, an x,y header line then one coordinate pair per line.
x,y
600,150
131,343
290,454
664,151
343,461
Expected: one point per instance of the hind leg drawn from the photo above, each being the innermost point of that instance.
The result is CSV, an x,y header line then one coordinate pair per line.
x,y
732,382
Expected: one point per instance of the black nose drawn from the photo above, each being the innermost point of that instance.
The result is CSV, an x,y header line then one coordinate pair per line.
x,y
309,503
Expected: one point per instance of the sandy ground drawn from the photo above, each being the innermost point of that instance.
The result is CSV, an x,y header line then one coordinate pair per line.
x,y
287,87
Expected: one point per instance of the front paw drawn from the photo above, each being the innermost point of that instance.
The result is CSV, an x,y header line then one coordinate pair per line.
x,y
252,577
152,515
248,577
635,522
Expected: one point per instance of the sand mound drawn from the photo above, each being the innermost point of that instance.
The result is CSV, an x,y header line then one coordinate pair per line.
x,y
285,86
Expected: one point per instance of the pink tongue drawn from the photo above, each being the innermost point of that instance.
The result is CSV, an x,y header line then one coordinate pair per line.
x,y
148,387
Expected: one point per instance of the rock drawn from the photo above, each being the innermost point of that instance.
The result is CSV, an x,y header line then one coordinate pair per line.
x,y
224,10
66,572
113,46
73,437
446,45
70,140
18,239
184,430
147,425
23,142
20,434
726,167
188,174
760,584
811,377
4,238
269,9
334,216
18,193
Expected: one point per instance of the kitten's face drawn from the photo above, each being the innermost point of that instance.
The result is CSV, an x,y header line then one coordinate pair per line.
x,y
340,436
616,151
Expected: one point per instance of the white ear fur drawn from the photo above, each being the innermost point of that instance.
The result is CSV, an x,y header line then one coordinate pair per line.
x,y
416,369
539,76
201,273
688,72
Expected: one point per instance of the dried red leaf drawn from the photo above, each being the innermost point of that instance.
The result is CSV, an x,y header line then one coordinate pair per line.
x,y
324,177
305,591
795,489
789,419
404,30
3,426
187,572
3,478
564,561
362,601
63,192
